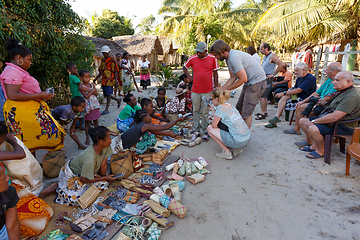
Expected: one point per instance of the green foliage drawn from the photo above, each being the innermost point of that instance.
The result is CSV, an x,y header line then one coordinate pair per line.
x,y
147,25
50,30
111,24
164,75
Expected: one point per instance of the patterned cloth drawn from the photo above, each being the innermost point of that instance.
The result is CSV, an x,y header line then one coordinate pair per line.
x,y
148,140
70,188
122,125
176,106
127,77
32,122
92,105
107,69
291,105
159,109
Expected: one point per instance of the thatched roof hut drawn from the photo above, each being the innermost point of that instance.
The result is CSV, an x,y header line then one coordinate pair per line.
x,y
139,45
170,56
166,45
100,42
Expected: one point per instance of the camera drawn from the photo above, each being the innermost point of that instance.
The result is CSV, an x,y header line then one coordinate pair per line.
x,y
312,101
50,90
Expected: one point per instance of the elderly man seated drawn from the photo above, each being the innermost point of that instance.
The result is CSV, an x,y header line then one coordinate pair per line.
x,y
305,85
325,89
345,103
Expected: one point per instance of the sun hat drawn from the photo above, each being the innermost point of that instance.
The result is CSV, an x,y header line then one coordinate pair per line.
x,y
105,49
180,91
201,47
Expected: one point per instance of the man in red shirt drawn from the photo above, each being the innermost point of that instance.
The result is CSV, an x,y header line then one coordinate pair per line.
x,y
204,67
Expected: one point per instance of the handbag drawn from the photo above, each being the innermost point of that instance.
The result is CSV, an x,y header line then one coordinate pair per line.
x,y
195,178
52,163
178,209
222,126
157,208
88,197
326,111
122,163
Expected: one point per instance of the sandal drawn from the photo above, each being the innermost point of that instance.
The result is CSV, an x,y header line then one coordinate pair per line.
x,y
306,149
260,116
270,125
313,155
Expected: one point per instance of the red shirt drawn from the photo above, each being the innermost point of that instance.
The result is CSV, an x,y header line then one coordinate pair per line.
x,y
203,69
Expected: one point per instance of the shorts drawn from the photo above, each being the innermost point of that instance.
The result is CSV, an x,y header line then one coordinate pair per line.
x,y
107,90
325,130
267,91
249,97
229,141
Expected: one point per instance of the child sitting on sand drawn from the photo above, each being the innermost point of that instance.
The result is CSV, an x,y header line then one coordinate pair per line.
x,y
126,116
159,103
66,113
148,106
177,104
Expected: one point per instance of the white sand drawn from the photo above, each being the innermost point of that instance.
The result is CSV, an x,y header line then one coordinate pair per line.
x,y
270,191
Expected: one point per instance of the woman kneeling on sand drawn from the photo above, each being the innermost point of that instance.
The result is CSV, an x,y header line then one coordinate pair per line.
x,y
228,129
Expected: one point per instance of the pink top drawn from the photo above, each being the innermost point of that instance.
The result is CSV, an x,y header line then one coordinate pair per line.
x,y
13,74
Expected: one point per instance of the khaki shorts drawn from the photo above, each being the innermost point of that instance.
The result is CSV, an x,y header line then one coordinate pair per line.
x,y
249,97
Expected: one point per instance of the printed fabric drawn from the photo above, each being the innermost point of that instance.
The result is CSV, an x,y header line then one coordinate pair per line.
x,y
32,122
107,69
175,105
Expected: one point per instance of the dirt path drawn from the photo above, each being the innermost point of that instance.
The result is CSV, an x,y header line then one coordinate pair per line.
x,y
270,191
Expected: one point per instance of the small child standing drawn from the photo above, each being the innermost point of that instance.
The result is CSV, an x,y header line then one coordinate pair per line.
x,y
92,112
74,83
148,105
66,113
186,84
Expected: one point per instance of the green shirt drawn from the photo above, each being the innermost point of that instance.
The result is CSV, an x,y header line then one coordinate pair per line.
x,y
326,88
74,85
88,163
128,111
348,102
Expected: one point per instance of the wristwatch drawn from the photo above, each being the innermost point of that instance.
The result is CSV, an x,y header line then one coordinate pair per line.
x,y
313,121
285,93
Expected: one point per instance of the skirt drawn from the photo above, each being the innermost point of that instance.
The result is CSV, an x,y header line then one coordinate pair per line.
x,y
71,188
32,122
128,84
93,115
122,125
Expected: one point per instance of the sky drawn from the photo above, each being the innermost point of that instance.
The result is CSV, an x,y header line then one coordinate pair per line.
x,y
134,9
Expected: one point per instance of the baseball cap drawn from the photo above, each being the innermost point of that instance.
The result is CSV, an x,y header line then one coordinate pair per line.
x,y
105,49
201,47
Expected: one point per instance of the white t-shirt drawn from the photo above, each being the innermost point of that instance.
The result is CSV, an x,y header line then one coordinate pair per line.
x,y
144,64
257,57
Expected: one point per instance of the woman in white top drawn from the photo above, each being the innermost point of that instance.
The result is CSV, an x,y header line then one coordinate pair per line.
x,y
144,72
228,129
251,50
128,77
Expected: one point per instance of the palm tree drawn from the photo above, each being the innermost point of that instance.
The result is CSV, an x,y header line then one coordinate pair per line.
x,y
292,22
198,17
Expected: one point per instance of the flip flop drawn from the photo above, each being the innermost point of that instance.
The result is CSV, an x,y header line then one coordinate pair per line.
x,y
306,149
104,113
260,116
314,155
303,143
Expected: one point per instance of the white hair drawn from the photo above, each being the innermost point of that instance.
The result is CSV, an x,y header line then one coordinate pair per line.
x,y
302,66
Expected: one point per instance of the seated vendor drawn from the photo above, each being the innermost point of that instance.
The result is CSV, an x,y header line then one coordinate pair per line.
x,y
148,106
159,103
142,132
126,116
86,168
177,104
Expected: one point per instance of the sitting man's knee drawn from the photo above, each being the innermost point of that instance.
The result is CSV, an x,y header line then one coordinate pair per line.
x,y
302,121
313,129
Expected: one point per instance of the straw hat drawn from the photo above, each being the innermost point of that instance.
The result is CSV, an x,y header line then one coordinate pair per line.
x,y
180,91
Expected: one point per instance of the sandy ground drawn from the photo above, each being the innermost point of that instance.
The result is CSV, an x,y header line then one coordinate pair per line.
x,y
270,191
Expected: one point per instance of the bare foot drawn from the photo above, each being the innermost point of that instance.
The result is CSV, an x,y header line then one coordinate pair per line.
x,y
49,190
87,142
82,147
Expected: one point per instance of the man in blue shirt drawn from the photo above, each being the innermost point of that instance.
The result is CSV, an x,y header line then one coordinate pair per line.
x,y
325,89
305,85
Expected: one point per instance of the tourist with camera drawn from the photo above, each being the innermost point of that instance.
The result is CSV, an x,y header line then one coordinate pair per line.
x,y
344,104
325,89
304,86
